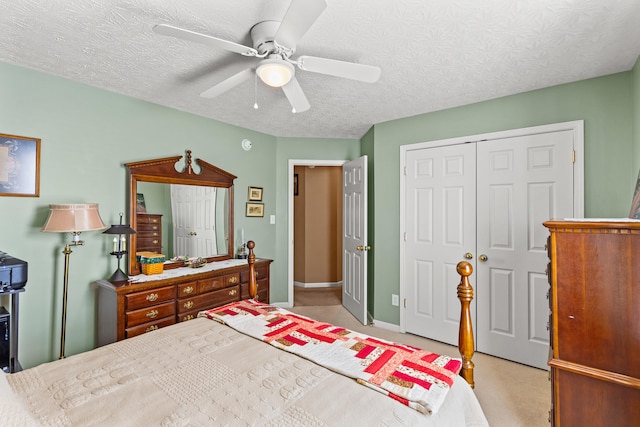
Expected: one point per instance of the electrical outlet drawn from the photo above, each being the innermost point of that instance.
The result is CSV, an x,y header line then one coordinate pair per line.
x,y
395,300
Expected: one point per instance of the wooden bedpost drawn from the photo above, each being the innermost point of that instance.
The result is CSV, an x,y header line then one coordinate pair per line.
x,y
465,335
253,283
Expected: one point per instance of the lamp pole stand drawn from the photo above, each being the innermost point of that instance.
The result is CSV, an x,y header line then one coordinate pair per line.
x,y
66,252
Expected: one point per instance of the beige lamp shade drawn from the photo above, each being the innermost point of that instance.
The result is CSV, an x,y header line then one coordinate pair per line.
x,y
73,217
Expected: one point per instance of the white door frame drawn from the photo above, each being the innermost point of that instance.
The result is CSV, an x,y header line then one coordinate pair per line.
x,y
577,126
293,163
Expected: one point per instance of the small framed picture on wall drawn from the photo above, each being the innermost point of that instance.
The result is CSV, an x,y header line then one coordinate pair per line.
x,y
255,194
255,209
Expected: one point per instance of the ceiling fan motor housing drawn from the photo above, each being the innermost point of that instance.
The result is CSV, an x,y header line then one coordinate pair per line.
x,y
263,35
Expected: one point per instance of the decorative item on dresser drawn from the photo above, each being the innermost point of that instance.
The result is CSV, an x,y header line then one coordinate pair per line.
x,y
152,302
595,327
149,232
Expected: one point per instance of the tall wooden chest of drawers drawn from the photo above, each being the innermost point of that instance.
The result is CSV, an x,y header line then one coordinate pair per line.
x,y
595,316
149,233
130,310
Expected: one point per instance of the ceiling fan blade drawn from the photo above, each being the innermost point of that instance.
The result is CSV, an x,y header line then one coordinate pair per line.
x,y
169,30
229,83
296,96
333,67
299,17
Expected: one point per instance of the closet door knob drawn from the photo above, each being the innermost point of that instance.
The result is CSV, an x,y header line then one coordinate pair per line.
x,y
468,255
483,258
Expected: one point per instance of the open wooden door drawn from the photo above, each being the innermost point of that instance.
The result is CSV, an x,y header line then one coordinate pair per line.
x,y
354,240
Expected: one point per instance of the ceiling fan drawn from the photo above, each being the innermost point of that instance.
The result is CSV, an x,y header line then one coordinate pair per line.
x,y
274,43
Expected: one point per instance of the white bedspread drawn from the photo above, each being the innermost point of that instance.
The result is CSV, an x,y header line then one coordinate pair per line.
x,y
201,373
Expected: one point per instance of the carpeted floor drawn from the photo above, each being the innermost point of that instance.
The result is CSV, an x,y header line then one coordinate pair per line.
x,y
510,394
317,296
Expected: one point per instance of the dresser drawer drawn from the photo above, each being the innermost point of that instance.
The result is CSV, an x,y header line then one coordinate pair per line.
x,y
149,314
190,315
148,298
149,327
148,219
148,241
263,291
148,229
261,273
218,282
209,300
189,289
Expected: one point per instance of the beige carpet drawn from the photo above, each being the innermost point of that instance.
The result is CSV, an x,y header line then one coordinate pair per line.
x,y
317,296
510,394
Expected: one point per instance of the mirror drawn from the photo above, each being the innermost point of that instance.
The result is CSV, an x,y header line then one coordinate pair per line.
x,y
180,213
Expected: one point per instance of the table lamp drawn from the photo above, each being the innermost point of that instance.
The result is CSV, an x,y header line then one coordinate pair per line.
x,y
119,248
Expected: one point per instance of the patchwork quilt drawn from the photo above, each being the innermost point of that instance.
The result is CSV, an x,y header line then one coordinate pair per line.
x,y
415,377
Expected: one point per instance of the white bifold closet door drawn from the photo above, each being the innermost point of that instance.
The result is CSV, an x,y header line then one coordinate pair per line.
x,y
486,200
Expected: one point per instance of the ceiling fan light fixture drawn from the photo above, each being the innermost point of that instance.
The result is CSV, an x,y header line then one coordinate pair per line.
x,y
275,72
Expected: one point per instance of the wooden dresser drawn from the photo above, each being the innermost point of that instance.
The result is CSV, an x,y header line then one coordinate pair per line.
x,y
149,233
595,323
130,310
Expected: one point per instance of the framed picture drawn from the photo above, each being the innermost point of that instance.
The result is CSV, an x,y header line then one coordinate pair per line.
x,y
255,209
19,166
295,184
255,194
634,213
141,207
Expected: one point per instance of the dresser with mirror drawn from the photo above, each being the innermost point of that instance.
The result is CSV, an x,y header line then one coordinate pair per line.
x,y
192,205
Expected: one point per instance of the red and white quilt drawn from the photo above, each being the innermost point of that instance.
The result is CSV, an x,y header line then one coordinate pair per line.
x,y
415,377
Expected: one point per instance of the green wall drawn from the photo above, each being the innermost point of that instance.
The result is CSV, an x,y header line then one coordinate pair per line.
x,y
605,104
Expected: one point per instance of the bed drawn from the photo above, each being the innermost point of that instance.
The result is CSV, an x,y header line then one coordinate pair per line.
x,y
204,372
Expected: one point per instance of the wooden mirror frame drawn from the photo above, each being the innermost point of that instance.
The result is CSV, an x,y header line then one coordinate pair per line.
x,y
163,170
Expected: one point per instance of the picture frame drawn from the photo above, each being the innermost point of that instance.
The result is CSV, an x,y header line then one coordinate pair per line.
x,y
634,213
141,206
295,184
19,166
255,209
255,194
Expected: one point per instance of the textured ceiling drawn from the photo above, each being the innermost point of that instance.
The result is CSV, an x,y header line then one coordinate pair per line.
x,y
434,54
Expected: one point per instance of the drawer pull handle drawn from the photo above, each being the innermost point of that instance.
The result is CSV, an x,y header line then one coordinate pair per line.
x,y
232,292
152,314
152,297
257,274
155,242
233,280
188,290
188,304
151,328
188,317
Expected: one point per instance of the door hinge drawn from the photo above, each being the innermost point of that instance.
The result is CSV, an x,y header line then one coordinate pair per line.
x,y
404,302
405,236
405,171
573,156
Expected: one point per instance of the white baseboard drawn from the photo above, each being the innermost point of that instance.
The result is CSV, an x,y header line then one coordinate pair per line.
x,y
385,325
317,285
